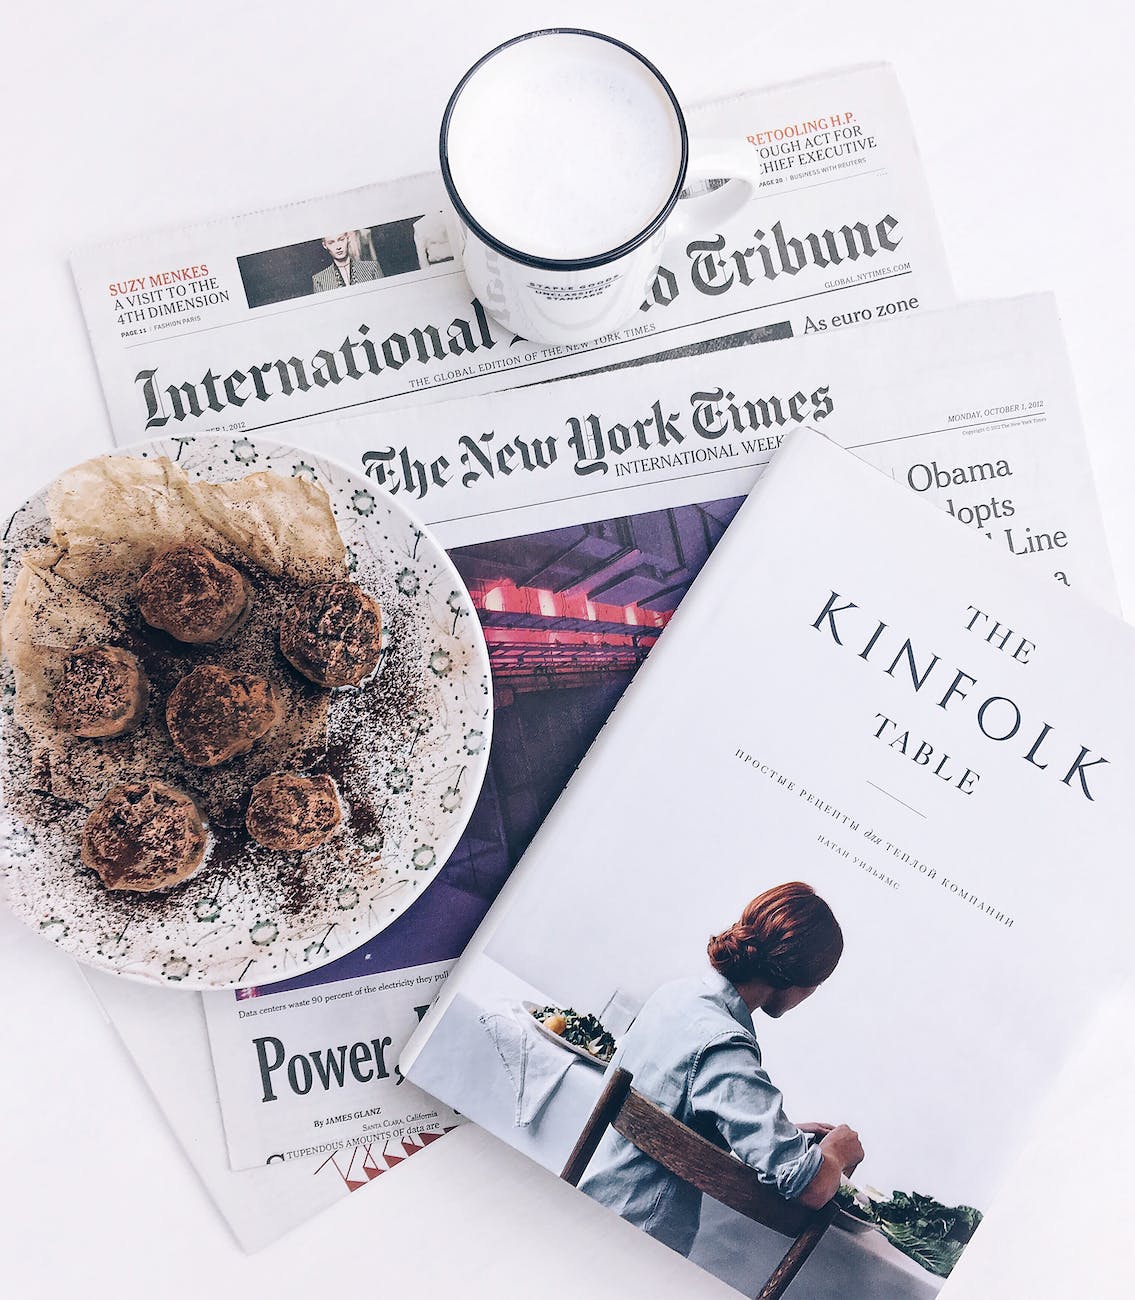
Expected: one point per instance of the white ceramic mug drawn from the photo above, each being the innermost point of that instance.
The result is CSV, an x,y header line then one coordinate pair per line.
x,y
563,153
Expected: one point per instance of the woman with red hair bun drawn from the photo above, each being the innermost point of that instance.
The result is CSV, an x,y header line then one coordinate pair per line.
x,y
693,1051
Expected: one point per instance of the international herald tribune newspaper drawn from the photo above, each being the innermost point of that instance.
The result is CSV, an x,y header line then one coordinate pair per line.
x,y
342,304
253,325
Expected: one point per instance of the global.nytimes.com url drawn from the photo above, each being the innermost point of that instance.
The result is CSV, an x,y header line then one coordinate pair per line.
x,y
875,273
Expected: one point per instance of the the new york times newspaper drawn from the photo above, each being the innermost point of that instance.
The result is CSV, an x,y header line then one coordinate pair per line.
x,y
289,320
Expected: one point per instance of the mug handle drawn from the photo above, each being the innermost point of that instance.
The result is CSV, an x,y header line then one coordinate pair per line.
x,y
717,159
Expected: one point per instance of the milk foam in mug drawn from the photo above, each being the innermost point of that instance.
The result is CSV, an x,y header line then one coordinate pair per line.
x,y
563,153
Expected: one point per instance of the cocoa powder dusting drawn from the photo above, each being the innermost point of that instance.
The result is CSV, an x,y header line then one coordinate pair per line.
x,y
366,738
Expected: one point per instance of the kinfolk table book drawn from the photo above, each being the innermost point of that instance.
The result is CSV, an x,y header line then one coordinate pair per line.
x,y
850,852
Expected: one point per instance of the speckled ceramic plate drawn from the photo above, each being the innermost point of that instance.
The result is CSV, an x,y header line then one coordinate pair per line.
x,y
418,732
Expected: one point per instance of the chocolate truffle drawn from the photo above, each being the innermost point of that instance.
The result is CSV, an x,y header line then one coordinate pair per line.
x,y
192,595
332,634
144,836
214,714
102,692
292,812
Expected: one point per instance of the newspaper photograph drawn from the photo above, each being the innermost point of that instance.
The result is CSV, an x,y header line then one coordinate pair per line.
x,y
578,513
336,305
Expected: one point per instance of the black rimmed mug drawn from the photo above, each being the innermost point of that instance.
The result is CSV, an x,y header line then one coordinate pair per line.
x,y
564,153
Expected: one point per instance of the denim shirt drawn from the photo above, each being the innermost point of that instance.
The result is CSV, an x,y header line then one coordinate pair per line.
x,y
692,1050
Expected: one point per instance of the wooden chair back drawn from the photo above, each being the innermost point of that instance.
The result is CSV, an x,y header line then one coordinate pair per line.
x,y
714,1172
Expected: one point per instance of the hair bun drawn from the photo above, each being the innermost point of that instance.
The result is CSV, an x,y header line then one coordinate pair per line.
x,y
724,949
786,937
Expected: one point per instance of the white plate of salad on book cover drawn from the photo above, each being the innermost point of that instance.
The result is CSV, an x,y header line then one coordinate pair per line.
x,y
579,1033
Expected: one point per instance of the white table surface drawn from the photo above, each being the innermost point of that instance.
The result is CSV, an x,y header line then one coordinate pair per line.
x,y
121,117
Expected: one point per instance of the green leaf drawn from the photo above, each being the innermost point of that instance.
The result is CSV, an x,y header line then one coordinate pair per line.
x,y
937,1255
932,1234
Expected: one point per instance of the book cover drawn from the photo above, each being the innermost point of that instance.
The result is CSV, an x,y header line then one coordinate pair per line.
x,y
849,853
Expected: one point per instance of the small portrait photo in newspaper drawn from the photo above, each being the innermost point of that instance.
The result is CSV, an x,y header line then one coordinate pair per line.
x,y
341,259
